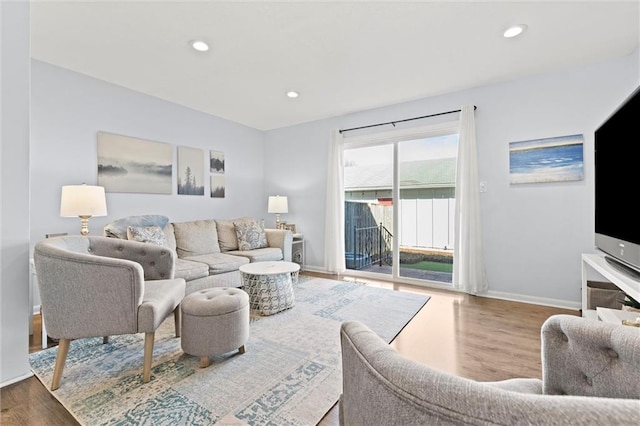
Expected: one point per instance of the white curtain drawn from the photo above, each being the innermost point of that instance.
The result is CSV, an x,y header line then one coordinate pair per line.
x,y
468,261
334,223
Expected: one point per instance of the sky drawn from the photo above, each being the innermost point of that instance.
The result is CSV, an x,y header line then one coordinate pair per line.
x,y
419,149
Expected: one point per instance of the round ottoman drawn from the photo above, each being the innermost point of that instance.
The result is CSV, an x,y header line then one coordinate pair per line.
x,y
214,321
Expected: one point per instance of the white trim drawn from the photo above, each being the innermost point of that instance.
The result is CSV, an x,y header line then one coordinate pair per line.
x,y
16,379
522,298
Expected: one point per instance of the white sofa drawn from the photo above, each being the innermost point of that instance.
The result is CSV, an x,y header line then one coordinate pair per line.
x,y
208,253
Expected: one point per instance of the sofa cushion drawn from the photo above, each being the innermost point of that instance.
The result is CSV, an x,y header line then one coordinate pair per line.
x,y
261,254
250,235
118,228
227,238
196,237
170,236
147,234
220,262
190,270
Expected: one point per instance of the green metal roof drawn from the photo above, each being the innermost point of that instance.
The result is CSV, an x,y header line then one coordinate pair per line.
x,y
413,174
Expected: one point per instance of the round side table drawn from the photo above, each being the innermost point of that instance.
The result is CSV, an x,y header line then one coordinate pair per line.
x,y
269,285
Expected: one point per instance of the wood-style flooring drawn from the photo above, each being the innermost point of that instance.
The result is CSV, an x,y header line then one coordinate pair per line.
x,y
474,337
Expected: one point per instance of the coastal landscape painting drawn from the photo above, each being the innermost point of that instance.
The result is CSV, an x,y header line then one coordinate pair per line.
x,y
127,164
556,159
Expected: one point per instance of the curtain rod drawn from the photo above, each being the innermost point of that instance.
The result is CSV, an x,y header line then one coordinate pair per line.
x,y
402,121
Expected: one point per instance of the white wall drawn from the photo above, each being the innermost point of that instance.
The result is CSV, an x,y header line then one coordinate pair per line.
x,y
533,234
14,195
68,109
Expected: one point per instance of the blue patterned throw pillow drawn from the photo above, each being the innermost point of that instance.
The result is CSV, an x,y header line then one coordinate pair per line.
x,y
147,234
250,235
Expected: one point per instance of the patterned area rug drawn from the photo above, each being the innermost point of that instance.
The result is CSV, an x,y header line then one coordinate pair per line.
x,y
290,374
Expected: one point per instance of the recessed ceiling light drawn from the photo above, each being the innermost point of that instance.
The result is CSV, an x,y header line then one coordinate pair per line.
x,y
515,30
293,94
200,45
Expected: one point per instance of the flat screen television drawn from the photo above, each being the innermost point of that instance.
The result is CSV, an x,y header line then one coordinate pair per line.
x,y
617,184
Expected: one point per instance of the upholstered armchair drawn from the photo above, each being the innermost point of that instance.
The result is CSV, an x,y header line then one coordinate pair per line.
x,y
591,376
98,286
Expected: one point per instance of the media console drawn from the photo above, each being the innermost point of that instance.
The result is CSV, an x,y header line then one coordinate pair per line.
x,y
622,280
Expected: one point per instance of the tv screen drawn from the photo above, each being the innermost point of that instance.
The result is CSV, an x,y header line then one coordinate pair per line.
x,y
617,183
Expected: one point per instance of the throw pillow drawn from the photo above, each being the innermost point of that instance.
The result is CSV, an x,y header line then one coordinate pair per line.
x,y
227,238
250,235
147,234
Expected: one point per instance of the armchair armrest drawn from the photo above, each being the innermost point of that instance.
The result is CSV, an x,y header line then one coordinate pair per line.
x,y
158,263
282,239
585,357
77,299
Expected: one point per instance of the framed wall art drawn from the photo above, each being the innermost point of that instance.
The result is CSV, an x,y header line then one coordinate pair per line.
x,y
556,159
217,187
190,171
127,164
216,162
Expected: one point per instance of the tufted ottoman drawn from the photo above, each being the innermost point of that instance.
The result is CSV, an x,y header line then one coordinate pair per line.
x,y
214,321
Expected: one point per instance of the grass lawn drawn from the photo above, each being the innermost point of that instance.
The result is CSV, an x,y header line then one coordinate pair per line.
x,y
429,266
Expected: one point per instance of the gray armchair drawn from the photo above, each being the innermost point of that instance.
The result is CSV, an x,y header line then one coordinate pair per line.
x,y
98,286
591,376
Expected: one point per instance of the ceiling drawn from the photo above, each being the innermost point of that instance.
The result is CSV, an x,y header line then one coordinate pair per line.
x,y
341,56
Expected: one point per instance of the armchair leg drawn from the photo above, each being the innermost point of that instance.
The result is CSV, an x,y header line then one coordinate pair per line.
x,y
148,355
61,358
105,340
176,316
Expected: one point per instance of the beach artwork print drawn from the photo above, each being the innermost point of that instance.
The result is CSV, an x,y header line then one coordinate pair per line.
x,y
216,161
555,159
127,164
190,171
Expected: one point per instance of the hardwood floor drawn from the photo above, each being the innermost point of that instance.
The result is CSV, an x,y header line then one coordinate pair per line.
x,y
474,337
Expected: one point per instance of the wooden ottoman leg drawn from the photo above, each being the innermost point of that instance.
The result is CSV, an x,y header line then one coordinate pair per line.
x,y
242,349
204,361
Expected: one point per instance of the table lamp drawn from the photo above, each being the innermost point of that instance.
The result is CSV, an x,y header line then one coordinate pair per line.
x,y
278,204
83,201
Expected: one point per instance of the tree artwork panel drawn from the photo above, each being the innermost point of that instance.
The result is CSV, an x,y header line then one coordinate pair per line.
x,y
217,187
190,171
216,162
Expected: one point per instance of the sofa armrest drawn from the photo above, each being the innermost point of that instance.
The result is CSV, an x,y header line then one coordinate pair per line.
x,y
586,357
158,263
282,239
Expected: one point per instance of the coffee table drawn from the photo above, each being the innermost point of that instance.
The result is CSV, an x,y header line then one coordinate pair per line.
x,y
269,285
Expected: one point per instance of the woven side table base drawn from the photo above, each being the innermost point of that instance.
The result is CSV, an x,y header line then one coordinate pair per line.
x,y
269,294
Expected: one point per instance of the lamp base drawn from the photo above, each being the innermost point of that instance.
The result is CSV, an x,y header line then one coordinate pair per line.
x,y
84,225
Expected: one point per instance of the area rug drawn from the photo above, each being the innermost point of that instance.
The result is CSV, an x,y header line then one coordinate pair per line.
x,y
289,375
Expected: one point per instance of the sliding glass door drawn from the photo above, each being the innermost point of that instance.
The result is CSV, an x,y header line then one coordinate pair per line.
x,y
399,206
368,176
427,171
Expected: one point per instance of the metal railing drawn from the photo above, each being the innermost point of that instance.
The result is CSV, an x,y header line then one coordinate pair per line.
x,y
371,245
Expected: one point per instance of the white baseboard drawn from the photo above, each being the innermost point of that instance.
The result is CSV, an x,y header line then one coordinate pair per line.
x,y
523,298
314,269
16,379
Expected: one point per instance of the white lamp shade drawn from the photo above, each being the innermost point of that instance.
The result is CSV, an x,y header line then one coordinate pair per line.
x,y
278,204
83,200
